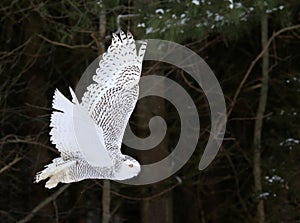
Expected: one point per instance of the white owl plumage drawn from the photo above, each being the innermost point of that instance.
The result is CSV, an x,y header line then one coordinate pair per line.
x,y
89,134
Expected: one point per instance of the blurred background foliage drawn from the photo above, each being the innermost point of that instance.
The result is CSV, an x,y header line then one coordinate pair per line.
x,y
48,44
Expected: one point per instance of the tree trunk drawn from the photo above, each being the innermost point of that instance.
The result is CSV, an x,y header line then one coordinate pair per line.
x,y
35,95
100,39
260,217
158,209
106,201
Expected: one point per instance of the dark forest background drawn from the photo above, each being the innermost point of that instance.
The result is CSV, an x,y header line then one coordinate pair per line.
x,y
253,49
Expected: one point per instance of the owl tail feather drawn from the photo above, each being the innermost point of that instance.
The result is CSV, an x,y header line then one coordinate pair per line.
x,y
54,171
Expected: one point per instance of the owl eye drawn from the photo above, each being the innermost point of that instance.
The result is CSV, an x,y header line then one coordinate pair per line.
x,y
130,165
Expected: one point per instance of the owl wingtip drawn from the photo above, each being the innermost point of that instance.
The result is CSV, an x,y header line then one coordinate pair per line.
x,y
74,98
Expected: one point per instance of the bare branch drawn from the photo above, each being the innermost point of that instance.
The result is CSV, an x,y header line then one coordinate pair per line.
x,y
64,44
17,159
17,139
148,197
43,203
7,54
123,17
254,62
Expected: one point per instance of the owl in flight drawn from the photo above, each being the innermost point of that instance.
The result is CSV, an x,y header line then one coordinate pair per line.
x,y
88,134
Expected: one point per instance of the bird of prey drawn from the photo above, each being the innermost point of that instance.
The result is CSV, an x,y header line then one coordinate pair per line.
x,y
88,134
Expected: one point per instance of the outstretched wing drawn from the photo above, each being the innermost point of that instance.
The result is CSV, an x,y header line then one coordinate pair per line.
x,y
111,100
75,134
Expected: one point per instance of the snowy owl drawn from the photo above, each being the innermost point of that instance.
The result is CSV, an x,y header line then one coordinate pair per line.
x,y
88,134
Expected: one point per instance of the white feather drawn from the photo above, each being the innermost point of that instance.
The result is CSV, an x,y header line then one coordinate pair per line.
x,y
89,137
73,131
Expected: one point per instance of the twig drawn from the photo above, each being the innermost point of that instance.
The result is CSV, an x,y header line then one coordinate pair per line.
x,y
250,118
17,159
16,139
7,54
190,83
254,62
38,107
237,184
56,211
123,17
145,198
44,203
64,44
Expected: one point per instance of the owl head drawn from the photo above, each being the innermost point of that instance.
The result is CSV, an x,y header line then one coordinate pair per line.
x,y
129,168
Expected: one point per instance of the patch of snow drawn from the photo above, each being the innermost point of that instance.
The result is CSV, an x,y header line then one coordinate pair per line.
x,y
231,4
196,2
141,25
274,179
218,17
209,13
161,11
149,30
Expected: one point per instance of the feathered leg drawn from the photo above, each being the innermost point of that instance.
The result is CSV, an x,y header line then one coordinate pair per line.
x,y
54,171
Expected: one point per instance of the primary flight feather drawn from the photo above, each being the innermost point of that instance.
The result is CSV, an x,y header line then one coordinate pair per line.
x,y
89,134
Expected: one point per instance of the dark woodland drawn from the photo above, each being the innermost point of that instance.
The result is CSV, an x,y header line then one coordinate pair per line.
x,y
252,48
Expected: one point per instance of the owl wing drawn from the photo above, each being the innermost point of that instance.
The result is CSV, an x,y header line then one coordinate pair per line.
x,y
74,133
111,100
